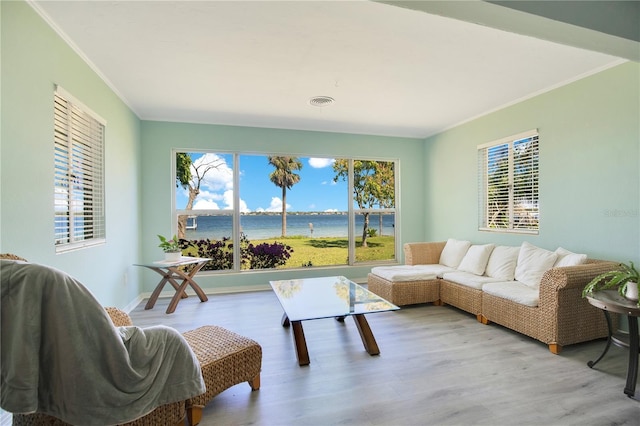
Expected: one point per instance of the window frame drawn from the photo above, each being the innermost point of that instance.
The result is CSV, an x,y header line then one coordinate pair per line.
x,y
79,143
531,166
352,210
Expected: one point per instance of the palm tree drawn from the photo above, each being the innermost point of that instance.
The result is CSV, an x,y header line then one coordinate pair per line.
x,y
284,177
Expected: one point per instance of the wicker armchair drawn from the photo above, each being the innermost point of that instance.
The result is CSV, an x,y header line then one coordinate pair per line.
x,y
225,358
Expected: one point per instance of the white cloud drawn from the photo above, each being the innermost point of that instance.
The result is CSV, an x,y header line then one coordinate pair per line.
x,y
205,204
328,182
218,178
228,202
216,189
208,195
319,163
275,206
331,210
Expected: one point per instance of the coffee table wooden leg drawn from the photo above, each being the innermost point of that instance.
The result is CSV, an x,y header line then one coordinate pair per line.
x,y
366,335
301,343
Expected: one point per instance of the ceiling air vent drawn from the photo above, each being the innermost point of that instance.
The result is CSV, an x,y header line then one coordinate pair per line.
x,y
320,101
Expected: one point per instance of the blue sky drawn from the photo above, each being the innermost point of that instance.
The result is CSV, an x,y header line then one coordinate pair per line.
x,y
316,191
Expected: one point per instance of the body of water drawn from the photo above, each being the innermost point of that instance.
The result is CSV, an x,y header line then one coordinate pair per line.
x,y
259,227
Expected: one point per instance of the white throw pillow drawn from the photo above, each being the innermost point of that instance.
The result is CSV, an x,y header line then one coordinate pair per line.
x,y
453,252
567,258
502,263
533,262
475,261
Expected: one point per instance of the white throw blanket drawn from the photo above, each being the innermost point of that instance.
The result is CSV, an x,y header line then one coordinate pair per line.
x,y
61,354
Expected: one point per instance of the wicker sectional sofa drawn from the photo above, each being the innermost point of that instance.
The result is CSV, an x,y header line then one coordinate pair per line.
x,y
533,291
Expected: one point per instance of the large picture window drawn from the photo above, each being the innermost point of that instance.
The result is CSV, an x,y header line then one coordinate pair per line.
x,y
508,184
79,174
269,211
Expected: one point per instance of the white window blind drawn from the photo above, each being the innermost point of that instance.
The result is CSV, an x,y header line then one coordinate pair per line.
x,y
508,194
79,174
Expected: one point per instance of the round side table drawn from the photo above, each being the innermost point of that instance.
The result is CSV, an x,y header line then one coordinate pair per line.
x,y
611,301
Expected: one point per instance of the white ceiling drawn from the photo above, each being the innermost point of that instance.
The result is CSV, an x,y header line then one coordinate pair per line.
x,y
392,71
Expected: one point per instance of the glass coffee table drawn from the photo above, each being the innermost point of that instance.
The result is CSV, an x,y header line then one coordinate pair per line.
x,y
327,297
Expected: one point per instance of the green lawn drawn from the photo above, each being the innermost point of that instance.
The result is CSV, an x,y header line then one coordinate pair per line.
x,y
327,251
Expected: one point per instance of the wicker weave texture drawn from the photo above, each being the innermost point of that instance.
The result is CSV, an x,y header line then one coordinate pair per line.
x,y
423,253
461,296
37,419
10,256
562,316
403,293
226,359
119,317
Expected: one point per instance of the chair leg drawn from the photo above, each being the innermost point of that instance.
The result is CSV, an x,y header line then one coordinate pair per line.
x,y
194,414
255,383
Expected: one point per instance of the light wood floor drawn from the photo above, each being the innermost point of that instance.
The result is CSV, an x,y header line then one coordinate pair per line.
x,y
437,366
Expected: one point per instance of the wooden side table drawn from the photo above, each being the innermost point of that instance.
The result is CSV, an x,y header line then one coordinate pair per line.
x,y
611,301
172,270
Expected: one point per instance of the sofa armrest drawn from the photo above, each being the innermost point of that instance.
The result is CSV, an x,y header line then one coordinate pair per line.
x,y
423,253
567,277
565,316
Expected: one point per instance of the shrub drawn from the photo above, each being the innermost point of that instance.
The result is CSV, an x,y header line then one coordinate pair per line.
x,y
261,256
265,255
219,251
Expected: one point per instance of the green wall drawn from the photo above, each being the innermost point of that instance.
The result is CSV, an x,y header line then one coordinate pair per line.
x,y
589,168
34,59
159,138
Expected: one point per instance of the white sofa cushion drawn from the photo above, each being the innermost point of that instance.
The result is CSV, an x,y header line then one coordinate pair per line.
x,y
410,272
453,252
468,279
533,262
475,261
514,291
567,258
502,263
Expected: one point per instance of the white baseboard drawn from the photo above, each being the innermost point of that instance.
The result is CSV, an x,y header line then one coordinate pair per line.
x,y
221,290
169,294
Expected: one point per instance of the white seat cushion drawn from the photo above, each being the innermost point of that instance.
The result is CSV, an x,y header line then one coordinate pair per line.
x,y
410,272
514,291
468,279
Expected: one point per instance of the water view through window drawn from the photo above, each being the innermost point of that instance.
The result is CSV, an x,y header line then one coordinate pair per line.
x,y
285,212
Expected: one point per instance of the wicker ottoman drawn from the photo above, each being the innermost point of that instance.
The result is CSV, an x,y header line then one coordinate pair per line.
x,y
226,359
405,292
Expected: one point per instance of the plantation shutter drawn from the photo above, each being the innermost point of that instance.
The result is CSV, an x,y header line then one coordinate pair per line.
x,y
508,174
78,174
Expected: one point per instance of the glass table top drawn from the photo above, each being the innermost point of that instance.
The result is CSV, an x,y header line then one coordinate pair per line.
x,y
326,297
